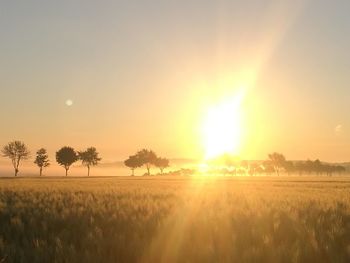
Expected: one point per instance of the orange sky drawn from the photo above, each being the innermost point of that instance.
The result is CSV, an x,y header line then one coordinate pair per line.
x,y
138,76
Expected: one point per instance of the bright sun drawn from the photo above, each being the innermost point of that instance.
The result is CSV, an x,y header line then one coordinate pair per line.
x,y
221,129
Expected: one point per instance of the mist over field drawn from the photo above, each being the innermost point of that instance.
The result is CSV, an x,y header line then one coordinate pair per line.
x,y
116,168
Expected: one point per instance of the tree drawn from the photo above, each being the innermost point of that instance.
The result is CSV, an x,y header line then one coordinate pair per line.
x,y
268,168
317,167
65,157
340,169
278,161
133,162
41,159
148,158
308,166
289,167
16,151
89,158
161,163
244,165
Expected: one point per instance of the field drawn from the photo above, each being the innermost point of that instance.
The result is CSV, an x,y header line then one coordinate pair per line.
x,y
120,219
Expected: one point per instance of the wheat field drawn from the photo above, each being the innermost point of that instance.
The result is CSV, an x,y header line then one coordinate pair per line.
x,y
192,219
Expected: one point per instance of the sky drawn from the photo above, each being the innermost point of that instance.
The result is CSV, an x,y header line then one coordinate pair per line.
x,y
126,75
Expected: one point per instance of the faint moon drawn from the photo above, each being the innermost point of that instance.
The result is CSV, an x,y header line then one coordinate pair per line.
x,y
69,103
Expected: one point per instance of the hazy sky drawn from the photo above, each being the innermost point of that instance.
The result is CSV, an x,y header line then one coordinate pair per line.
x,y
142,74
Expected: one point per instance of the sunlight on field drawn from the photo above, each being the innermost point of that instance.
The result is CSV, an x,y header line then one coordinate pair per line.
x,y
175,219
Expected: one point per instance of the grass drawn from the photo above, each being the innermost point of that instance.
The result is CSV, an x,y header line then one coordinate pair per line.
x,y
290,219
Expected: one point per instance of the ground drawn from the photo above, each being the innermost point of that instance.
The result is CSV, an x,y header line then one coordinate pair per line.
x,y
179,219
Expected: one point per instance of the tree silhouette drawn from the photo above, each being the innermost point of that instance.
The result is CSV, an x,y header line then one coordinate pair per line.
x,y
278,161
289,167
244,166
268,168
89,158
148,158
317,167
161,163
308,166
133,162
41,159
16,151
340,169
65,157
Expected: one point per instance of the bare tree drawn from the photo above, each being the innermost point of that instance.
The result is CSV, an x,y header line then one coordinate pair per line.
x,y
41,159
16,151
89,158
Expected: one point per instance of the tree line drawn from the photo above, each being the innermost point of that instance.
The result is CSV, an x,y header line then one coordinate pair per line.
x,y
304,167
276,163
17,151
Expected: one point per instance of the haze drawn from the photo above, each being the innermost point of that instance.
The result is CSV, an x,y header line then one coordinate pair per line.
x,y
123,75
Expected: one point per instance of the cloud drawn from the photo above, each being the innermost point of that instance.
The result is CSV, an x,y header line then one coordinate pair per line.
x,y
338,130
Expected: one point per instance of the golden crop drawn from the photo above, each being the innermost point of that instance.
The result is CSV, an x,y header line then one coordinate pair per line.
x,y
175,219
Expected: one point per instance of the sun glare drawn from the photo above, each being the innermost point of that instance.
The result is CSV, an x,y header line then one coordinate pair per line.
x,y
222,127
